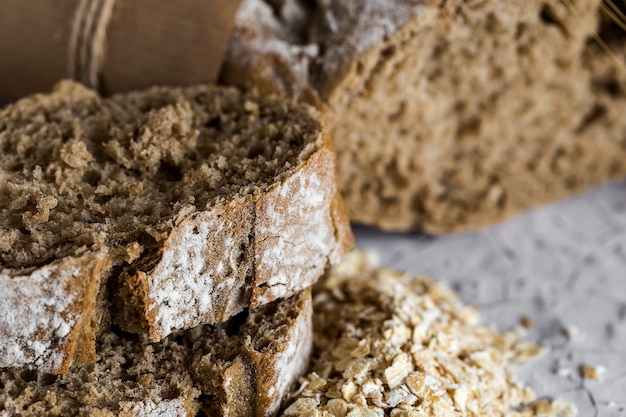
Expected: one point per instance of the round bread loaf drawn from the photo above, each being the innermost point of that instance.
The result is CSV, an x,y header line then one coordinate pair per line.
x,y
448,115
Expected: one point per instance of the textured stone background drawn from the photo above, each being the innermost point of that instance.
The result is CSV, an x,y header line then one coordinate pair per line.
x,y
564,266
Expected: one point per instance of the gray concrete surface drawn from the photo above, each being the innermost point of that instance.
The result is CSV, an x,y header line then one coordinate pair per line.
x,y
564,266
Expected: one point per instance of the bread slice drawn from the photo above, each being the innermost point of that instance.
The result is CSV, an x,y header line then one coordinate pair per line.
x,y
240,368
170,207
448,115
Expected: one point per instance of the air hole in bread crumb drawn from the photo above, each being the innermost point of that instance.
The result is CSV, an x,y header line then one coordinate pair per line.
x,y
549,17
47,379
610,86
388,52
257,150
263,342
360,67
491,23
126,377
18,166
171,393
469,128
28,375
207,403
242,253
520,30
179,339
92,177
128,362
596,113
234,325
213,123
168,172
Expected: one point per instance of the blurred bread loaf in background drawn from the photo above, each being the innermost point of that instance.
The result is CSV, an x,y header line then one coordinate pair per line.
x,y
447,115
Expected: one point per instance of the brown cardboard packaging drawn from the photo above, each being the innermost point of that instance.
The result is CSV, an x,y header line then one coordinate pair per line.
x,y
111,45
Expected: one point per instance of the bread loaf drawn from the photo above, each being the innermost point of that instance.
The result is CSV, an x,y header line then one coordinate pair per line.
x,y
240,368
169,207
448,115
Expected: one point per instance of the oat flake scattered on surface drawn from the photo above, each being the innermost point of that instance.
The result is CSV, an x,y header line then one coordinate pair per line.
x,y
592,372
388,344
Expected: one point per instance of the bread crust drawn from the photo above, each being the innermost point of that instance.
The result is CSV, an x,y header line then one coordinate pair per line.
x,y
46,315
275,374
256,381
275,243
295,234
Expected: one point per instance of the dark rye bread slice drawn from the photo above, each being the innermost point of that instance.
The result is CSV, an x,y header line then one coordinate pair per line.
x,y
172,207
243,367
448,115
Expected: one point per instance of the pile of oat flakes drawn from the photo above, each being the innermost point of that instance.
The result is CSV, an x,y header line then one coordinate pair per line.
x,y
388,344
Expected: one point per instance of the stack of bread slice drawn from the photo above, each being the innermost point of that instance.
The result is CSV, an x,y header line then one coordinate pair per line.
x,y
157,249
243,367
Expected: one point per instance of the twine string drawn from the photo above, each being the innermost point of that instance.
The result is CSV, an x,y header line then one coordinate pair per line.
x,y
87,52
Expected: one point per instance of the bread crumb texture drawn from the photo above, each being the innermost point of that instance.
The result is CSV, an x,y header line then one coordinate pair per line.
x,y
170,207
75,166
448,115
388,344
240,368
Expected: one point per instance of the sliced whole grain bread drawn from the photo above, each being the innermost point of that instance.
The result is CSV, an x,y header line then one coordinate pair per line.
x,y
448,115
243,367
159,210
